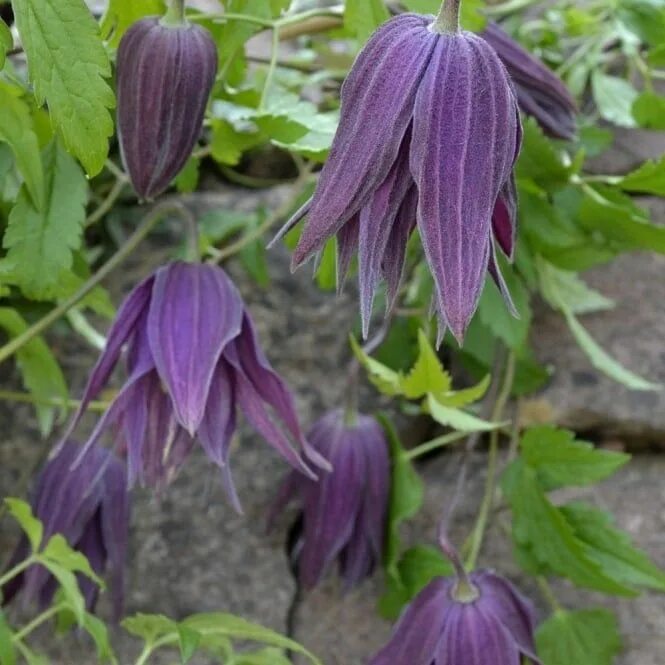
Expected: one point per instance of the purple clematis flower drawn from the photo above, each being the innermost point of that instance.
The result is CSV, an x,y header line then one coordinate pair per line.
x,y
88,505
482,620
192,358
428,136
344,513
540,92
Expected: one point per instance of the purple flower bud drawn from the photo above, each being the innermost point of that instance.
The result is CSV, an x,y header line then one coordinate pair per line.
x,y
540,92
344,513
482,621
88,504
428,136
165,74
192,358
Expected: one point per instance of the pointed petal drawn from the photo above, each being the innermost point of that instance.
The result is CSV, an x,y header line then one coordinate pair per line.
x,y
195,311
376,223
347,244
462,153
357,560
377,106
496,274
504,218
122,328
293,220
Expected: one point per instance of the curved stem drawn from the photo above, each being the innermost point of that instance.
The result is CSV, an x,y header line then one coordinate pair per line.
x,y
433,444
130,245
175,13
17,570
144,655
38,621
490,483
107,203
272,67
28,398
548,593
447,20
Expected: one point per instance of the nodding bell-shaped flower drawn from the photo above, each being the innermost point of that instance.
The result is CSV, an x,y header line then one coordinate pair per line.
x,y
540,92
88,504
472,619
344,513
428,136
165,71
192,358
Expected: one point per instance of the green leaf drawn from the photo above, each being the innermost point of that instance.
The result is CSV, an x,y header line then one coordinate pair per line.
x,y
545,541
590,637
22,513
100,636
188,641
6,43
427,375
644,18
149,627
648,178
70,589
614,98
363,17
267,656
120,14
16,129
58,551
227,625
39,369
40,243
539,160
68,67
563,461
611,548
457,419
417,567
458,398
326,271
7,650
188,179
603,362
385,379
649,110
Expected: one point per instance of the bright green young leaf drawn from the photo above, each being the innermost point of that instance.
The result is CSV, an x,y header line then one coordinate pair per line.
x,y
150,627
22,513
648,178
587,637
120,14
16,129
188,641
267,656
6,43
456,418
656,56
363,17
326,272
385,379
603,362
69,587
234,627
7,650
60,552
544,538
563,461
611,548
456,399
649,110
39,369
68,67
614,98
40,243
644,18
427,375
416,568
188,179
99,633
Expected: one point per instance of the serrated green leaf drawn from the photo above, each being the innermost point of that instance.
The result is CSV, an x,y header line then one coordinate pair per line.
x,y
40,243
544,538
22,513
69,68
589,637
563,461
611,548
188,641
602,361
228,625
120,14
458,398
60,552
363,17
39,369
385,379
150,627
614,98
456,418
16,129
7,650
427,375
649,110
648,178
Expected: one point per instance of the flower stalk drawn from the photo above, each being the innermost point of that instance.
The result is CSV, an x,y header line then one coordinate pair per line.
x,y
447,20
175,14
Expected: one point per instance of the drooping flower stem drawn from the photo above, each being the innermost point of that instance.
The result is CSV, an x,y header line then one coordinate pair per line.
x,y
38,621
447,20
175,14
464,590
490,483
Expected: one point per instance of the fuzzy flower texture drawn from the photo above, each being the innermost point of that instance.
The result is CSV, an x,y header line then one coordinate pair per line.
x,y
428,136
192,359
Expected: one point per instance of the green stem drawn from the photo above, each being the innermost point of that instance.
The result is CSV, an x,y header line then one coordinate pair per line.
x,y
490,483
130,245
548,594
38,621
433,444
107,203
27,398
175,14
145,654
447,20
17,570
272,67
231,16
